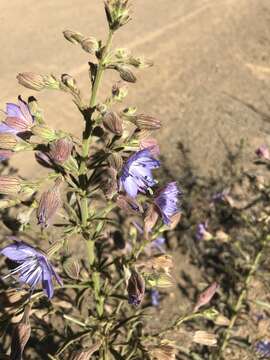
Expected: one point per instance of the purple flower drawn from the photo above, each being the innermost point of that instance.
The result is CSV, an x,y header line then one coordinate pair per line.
x,y
33,266
263,152
167,201
155,297
202,233
19,118
137,175
262,347
158,244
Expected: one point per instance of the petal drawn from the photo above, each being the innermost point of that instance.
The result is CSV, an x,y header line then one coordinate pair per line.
x,y
46,277
18,251
6,129
130,186
13,110
28,118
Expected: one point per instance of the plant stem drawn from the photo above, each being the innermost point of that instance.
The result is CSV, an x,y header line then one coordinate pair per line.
x,y
93,99
241,298
91,251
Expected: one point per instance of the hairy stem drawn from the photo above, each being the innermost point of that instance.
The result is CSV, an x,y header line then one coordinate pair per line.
x,y
241,298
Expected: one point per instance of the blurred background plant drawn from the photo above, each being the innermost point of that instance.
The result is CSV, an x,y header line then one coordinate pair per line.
x,y
95,224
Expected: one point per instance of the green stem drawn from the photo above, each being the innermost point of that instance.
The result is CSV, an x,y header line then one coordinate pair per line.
x,y
241,298
93,99
91,251
84,211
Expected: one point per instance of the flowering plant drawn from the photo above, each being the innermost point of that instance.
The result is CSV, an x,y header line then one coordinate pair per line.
x,y
101,194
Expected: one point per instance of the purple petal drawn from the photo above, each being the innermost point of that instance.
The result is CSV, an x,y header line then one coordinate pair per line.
x,y
130,186
18,251
13,110
6,129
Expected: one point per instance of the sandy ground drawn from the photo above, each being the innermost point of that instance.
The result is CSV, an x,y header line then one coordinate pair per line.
x,y
210,81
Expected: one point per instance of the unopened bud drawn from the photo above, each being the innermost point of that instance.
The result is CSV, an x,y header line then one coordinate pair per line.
x,y
205,338
147,122
44,132
140,62
150,219
10,185
72,268
38,82
128,204
113,123
115,161
8,141
126,74
70,82
60,150
73,36
90,45
31,81
20,336
49,203
206,296
109,183
117,13
135,288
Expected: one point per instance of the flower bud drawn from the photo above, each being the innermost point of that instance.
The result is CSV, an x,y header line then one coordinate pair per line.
x,y
150,219
135,288
206,296
73,36
205,338
20,336
140,62
90,45
10,185
8,141
113,123
31,80
49,203
117,13
147,122
126,74
72,268
109,183
128,204
70,83
115,161
60,150
38,82
44,132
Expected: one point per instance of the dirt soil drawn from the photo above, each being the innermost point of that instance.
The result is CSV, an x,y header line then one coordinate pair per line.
x,y
210,81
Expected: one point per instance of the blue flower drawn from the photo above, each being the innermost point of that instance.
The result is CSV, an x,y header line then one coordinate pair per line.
x,y
33,266
167,201
262,347
137,175
159,243
19,118
155,297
